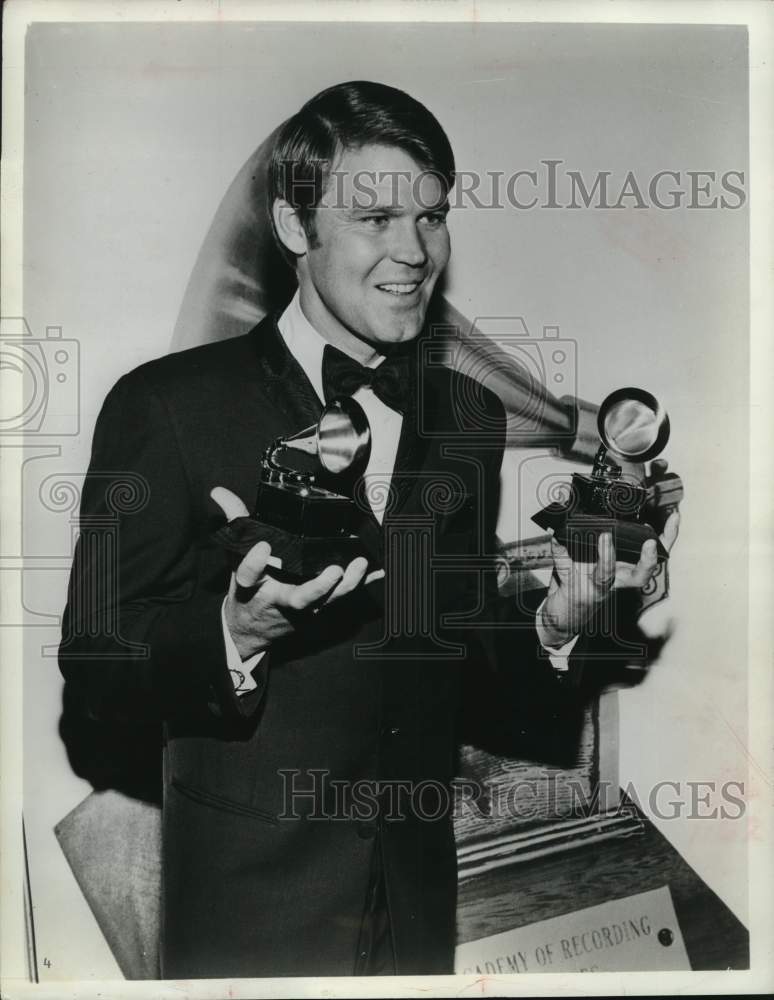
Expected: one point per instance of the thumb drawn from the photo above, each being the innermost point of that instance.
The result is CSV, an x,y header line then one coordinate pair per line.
x,y
229,503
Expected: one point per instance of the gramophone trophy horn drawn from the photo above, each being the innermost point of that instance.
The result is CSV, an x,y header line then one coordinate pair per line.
x,y
340,440
304,507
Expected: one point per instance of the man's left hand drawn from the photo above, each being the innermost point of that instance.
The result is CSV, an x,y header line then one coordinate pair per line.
x,y
578,589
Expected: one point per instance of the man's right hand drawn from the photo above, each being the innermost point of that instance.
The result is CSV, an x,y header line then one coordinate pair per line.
x,y
260,609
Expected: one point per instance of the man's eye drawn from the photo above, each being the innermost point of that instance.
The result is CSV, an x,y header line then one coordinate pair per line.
x,y
376,221
434,219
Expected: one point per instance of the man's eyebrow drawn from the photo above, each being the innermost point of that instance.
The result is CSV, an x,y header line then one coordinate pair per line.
x,y
381,208
387,208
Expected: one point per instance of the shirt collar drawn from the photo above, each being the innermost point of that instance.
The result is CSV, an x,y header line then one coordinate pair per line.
x,y
306,344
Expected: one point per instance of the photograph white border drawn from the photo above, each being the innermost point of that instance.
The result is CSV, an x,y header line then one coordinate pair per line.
x,y
17,14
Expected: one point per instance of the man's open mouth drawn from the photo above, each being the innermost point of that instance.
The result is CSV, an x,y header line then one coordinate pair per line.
x,y
395,288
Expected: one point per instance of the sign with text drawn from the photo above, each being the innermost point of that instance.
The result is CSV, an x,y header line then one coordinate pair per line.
x,y
638,933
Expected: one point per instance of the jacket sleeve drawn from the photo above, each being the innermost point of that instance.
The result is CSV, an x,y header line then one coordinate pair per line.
x,y
514,699
141,640
520,700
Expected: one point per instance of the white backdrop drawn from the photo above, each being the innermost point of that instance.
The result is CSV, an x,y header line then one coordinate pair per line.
x,y
133,134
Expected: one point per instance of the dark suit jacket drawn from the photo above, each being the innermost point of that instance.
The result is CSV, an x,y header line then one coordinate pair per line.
x,y
248,890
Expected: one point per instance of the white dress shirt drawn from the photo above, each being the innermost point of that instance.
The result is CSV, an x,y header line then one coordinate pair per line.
x,y
307,346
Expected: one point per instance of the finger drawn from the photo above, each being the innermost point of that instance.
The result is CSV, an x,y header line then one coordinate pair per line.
x,y
314,591
603,575
658,467
646,565
377,574
229,503
563,564
251,570
353,576
671,530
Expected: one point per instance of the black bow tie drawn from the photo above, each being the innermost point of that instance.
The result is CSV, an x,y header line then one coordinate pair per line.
x,y
390,381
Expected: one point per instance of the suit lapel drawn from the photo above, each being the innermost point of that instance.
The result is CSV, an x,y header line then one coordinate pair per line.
x,y
419,422
406,481
284,380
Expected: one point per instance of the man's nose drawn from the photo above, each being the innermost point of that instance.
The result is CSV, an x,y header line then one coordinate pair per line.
x,y
408,247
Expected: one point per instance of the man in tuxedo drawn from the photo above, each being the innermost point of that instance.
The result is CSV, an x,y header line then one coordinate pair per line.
x,y
309,729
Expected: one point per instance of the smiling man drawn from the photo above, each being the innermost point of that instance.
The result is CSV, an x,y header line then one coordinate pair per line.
x,y
370,256
310,730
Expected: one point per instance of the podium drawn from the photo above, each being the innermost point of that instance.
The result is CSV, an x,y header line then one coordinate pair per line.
x,y
516,874
556,885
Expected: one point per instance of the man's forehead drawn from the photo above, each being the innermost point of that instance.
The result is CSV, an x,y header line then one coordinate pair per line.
x,y
382,176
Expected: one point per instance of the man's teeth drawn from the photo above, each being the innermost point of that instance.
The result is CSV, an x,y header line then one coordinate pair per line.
x,y
400,289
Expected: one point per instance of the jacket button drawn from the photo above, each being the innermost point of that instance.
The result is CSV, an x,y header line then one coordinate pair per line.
x,y
366,831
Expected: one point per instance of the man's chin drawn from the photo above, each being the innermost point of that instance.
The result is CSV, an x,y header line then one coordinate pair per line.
x,y
399,331
393,337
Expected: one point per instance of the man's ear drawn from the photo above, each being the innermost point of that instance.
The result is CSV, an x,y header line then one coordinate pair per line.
x,y
289,228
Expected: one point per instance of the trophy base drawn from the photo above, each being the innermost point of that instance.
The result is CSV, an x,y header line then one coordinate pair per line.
x,y
305,511
579,533
302,557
